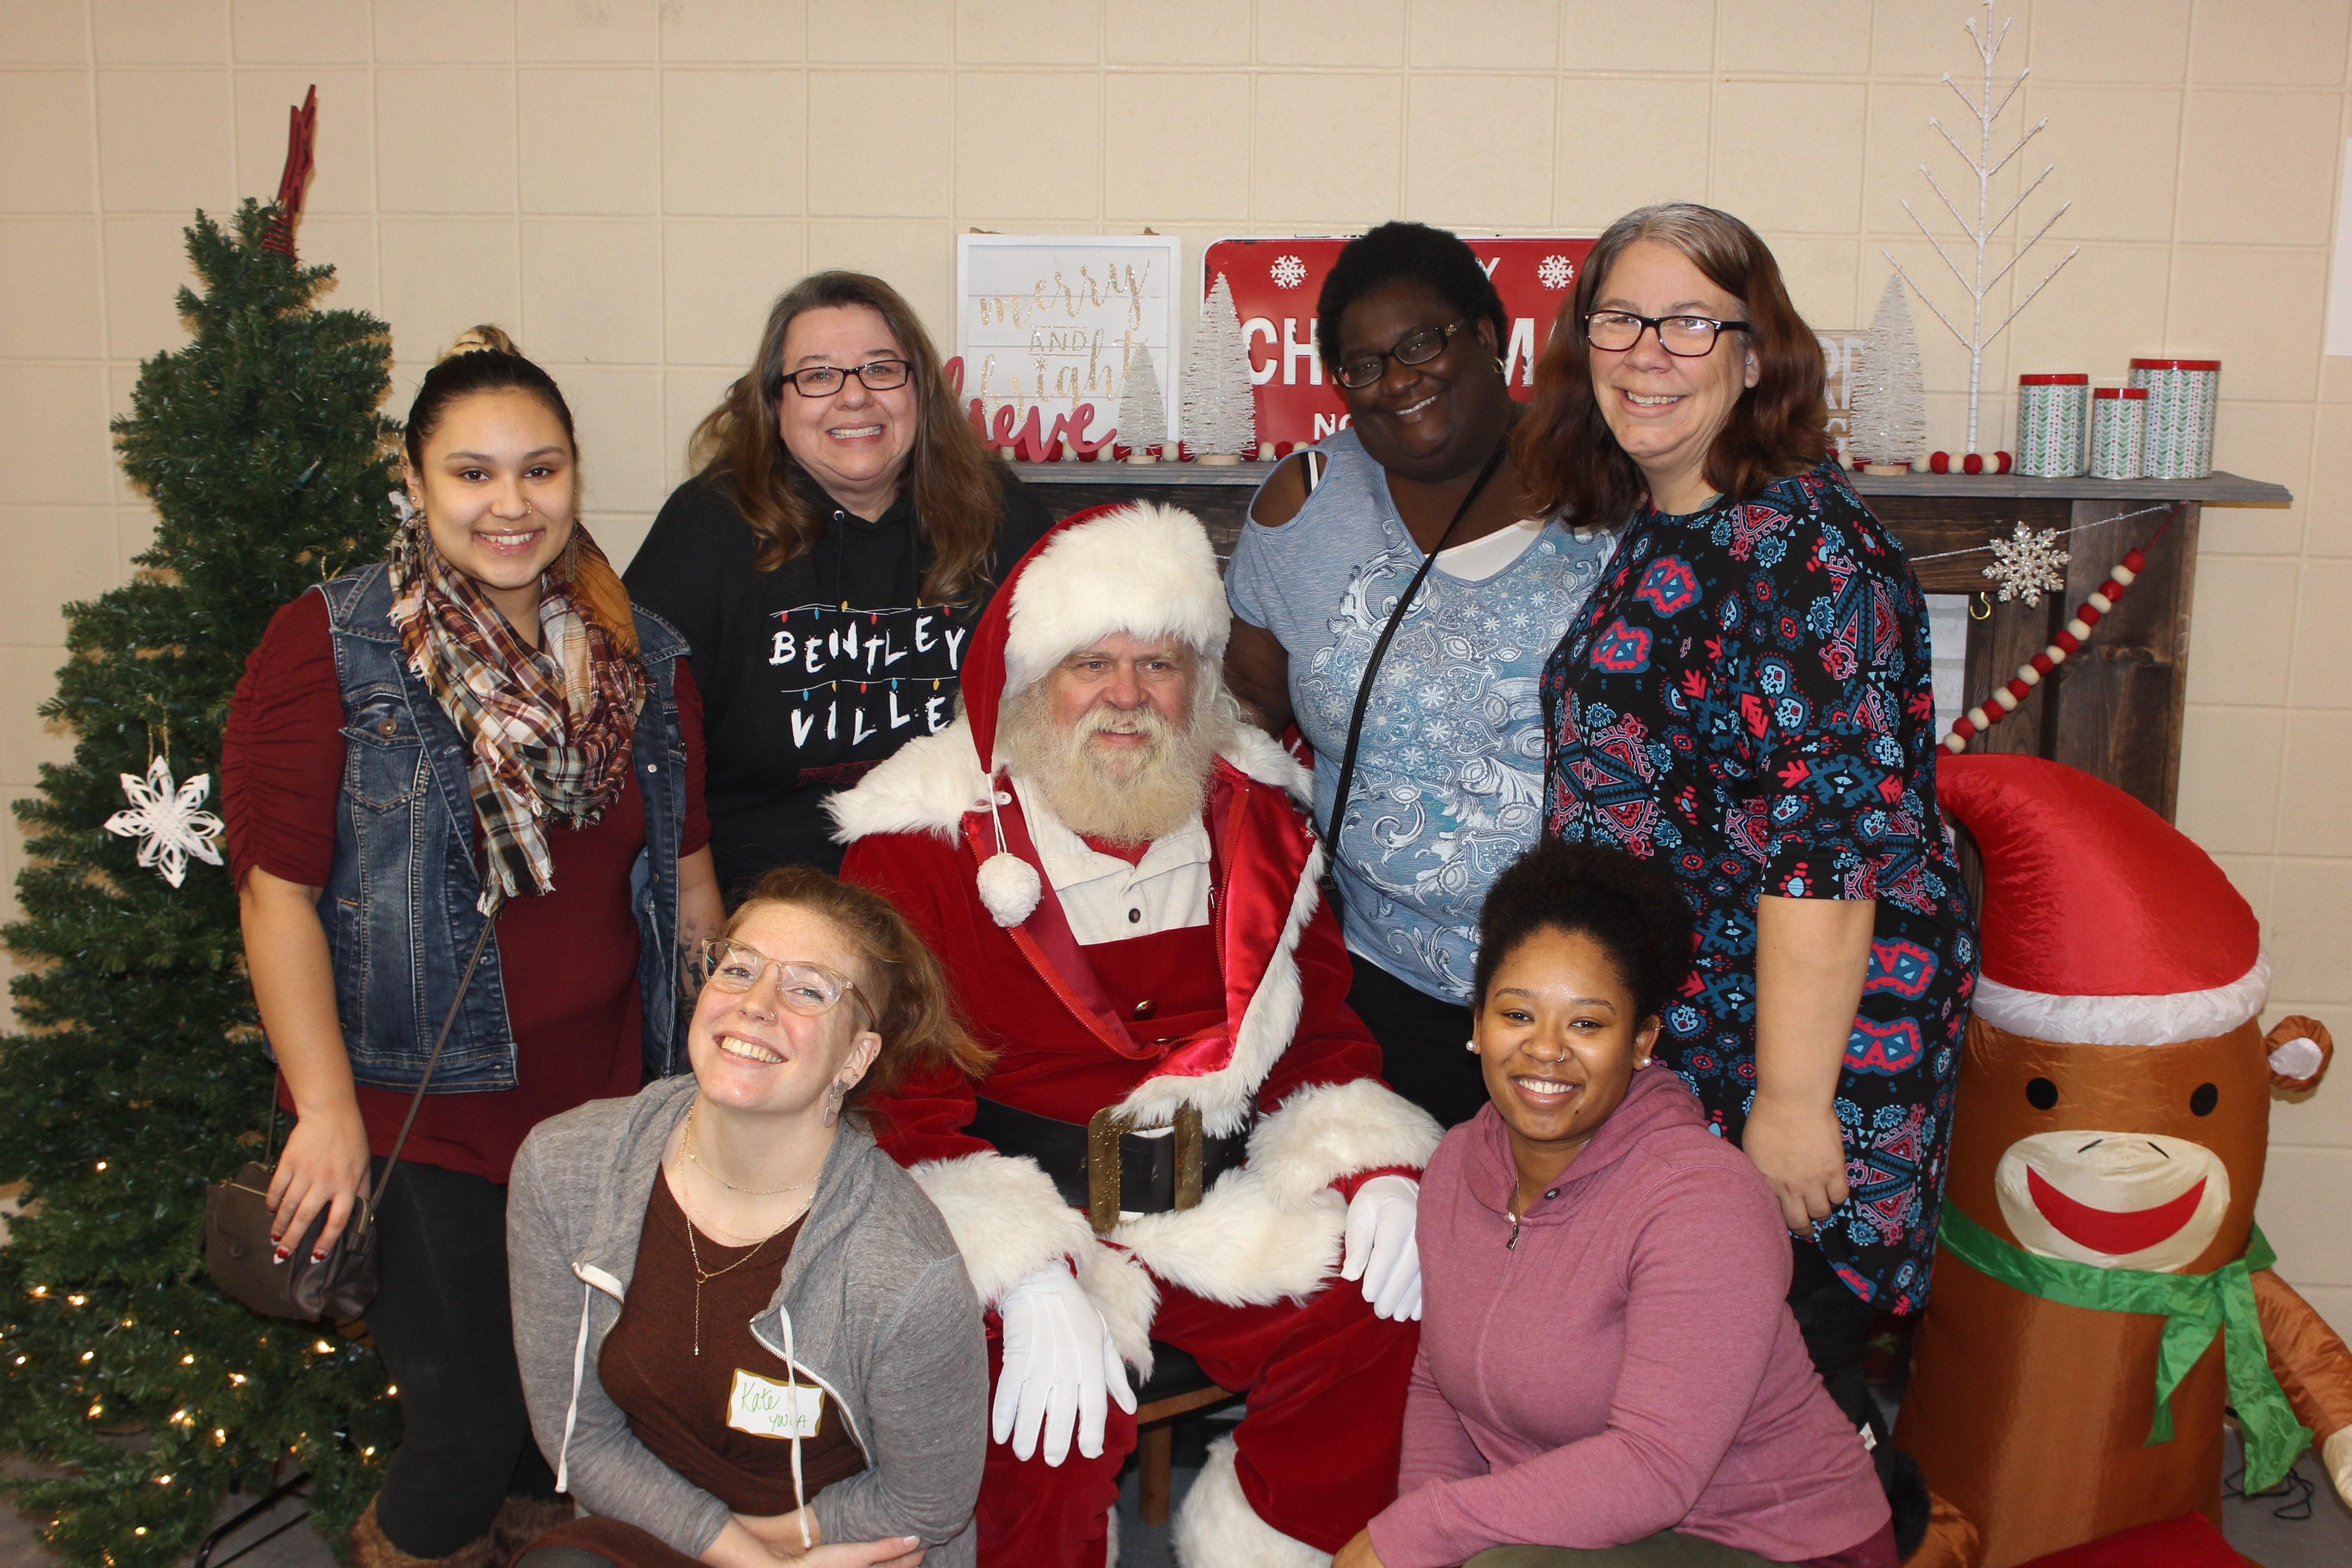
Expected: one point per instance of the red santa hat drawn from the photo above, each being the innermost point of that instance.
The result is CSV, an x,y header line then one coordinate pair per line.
x,y
2103,923
1139,568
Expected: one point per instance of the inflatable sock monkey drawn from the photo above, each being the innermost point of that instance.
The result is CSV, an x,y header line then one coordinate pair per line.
x,y
2101,1289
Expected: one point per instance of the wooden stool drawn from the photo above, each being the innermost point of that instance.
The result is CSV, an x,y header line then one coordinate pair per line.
x,y
1178,1387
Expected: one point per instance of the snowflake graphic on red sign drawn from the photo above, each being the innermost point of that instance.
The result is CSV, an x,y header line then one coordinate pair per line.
x,y
1275,282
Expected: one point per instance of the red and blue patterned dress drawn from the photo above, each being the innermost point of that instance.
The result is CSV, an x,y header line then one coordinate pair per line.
x,y
1748,696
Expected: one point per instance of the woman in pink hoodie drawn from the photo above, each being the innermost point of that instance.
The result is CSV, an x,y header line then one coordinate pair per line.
x,y
1608,1373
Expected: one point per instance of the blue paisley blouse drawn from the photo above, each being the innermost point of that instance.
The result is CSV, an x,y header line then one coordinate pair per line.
x,y
1747,696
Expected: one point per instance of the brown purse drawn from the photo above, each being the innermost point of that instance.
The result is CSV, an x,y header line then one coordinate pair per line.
x,y
241,1258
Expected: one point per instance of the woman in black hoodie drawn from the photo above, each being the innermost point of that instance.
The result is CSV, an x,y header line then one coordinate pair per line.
x,y
826,563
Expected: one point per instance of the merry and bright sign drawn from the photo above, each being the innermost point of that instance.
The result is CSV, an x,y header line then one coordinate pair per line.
x,y
1275,282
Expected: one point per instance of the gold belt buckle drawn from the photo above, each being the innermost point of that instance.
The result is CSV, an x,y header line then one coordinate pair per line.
x,y
1104,1130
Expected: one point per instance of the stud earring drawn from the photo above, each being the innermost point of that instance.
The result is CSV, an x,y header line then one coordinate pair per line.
x,y
1471,1046
833,1094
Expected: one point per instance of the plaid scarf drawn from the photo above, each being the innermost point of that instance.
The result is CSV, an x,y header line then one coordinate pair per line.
x,y
548,730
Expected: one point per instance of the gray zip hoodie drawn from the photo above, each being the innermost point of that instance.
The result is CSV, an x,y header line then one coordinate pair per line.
x,y
874,1306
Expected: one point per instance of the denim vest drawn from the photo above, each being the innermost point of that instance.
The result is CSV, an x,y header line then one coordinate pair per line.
x,y
399,906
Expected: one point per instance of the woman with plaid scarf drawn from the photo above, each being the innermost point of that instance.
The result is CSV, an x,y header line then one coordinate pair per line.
x,y
479,729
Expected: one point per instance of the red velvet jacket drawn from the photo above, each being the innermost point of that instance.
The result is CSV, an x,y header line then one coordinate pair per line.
x,y
918,827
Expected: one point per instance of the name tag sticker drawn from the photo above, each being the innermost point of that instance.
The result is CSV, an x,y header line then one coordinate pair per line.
x,y
766,1408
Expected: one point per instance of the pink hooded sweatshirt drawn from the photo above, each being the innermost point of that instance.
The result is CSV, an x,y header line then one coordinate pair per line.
x,y
1620,1361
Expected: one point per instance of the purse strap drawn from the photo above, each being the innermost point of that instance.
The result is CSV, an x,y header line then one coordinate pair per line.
x,y
416,1101
1380,649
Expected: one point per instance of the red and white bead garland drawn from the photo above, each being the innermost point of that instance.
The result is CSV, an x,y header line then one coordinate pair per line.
x,y
2005,699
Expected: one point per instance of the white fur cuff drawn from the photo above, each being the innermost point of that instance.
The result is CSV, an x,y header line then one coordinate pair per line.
x,y
1006,1218
1326,1131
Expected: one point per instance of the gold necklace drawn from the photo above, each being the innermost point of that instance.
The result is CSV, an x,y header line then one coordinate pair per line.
x,y
703,1276
747,1192
694,1250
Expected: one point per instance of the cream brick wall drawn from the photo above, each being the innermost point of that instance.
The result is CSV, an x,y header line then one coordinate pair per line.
x,y
627,182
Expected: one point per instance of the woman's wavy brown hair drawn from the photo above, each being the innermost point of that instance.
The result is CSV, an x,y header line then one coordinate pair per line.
x,y
1566,454
958,485
913,1007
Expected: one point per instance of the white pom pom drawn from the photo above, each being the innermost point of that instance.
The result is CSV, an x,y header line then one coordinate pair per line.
x,y
2296,1059
1010,887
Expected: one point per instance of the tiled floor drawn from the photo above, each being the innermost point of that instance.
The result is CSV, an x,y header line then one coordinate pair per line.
x,y
2322,1537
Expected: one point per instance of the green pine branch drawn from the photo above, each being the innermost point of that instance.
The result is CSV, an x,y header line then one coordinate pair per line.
x,y
139,1076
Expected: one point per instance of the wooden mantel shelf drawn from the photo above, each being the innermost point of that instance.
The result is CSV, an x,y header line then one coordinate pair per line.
x,y
2218,489
2114,713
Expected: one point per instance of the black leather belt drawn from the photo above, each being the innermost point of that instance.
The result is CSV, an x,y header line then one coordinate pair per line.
x,y
1148,1175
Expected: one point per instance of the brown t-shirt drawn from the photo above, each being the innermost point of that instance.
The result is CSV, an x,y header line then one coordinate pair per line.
x,y
679,1404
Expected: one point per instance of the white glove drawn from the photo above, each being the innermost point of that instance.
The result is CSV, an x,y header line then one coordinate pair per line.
x,y
1059,1363
1381,1218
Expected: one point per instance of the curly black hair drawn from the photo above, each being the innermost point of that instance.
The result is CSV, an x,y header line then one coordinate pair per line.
x,y
1406,253
1631,908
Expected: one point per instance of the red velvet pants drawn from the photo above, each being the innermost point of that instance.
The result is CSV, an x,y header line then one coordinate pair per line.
x,y
1316,1452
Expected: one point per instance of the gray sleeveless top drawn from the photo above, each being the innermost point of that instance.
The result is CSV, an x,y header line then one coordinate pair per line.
x,y
1450,770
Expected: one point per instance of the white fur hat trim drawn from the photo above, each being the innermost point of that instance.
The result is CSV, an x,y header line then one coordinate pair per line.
x,y
1145,570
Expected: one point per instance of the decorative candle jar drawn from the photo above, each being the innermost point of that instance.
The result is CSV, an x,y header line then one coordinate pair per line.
x,y
2118,432
2181,396
2054,424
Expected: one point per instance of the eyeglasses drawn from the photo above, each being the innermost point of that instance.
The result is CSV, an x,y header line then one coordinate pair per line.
x,y
1413,348
1684,337
809,989
824,380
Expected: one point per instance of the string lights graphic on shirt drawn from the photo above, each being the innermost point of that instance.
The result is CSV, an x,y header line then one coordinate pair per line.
x,y
855,675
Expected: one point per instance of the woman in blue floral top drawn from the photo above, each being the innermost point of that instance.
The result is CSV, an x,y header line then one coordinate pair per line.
x,y
1746,698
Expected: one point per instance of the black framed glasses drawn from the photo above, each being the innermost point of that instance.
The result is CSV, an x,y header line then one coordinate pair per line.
x,y
824,380
1684,337
1413,348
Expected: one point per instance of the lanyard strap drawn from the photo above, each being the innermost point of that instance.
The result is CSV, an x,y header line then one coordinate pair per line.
x,y
1380,649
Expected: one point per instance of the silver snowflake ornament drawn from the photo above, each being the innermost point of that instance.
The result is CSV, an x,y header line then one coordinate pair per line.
x,y
168,821
2028,564
1555,272
1287,272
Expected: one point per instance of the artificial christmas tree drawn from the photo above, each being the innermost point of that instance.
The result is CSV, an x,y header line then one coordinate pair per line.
x,y
1220,402
1886,419
140,1073
1142,414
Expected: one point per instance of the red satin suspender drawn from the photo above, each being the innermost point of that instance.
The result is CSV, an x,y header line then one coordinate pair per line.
x,y
1259,850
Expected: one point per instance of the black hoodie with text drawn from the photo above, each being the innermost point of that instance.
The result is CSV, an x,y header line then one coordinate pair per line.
x,y
812,673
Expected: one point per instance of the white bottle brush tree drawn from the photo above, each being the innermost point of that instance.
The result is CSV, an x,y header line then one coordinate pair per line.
x,y
1142,413
1220,402
1887,418
1976,234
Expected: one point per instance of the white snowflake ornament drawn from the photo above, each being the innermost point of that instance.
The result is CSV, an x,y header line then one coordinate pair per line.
x,y
1287,272
2028,564
1555,272
168,822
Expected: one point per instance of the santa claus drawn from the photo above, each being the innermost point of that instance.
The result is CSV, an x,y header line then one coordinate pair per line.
x,y
1183,1137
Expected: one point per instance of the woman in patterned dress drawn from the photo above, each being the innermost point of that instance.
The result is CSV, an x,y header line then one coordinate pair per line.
x,y
1746,698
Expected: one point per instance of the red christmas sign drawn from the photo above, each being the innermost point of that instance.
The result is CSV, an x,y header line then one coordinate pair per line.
x,y
1275,283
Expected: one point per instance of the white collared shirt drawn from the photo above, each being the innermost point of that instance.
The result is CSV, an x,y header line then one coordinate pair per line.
x,y
1105,899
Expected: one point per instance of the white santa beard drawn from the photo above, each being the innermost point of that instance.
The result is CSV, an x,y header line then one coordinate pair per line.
x,y
1135,799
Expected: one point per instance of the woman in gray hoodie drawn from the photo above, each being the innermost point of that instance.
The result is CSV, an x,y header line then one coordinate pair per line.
x,y
745,1334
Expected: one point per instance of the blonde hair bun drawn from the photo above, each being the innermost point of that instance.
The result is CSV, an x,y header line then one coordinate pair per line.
x,y
484,338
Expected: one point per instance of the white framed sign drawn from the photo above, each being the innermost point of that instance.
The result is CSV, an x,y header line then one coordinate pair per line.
x,y
1047,326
